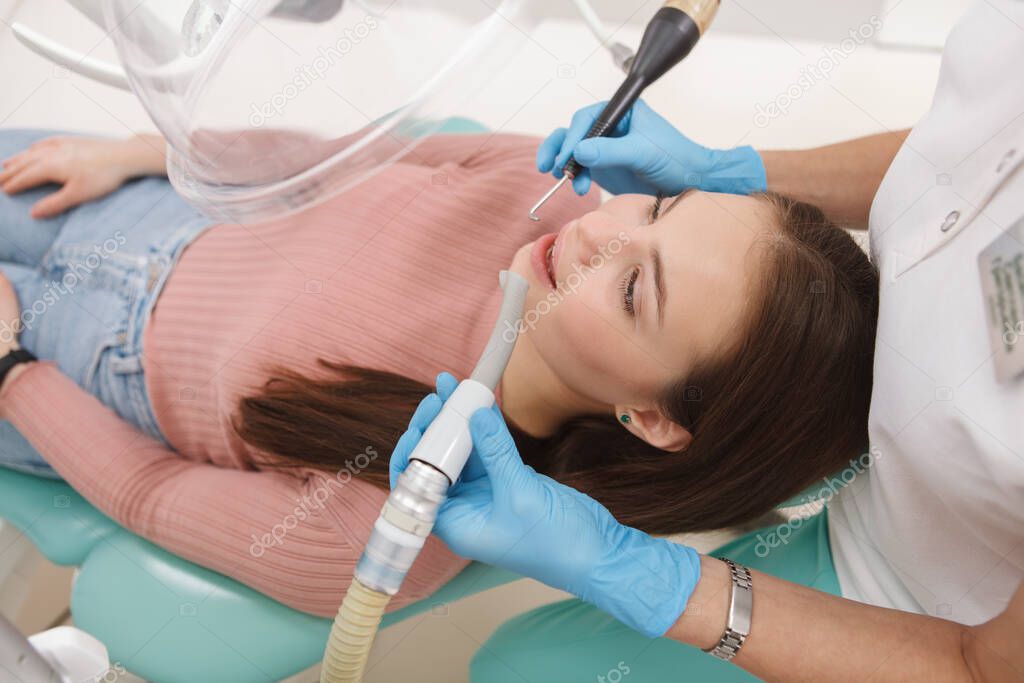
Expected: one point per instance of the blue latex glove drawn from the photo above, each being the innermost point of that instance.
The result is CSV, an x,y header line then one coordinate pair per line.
x,y
645,154
504,513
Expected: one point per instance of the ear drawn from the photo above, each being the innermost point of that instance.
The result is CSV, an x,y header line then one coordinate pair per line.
x,y
654,428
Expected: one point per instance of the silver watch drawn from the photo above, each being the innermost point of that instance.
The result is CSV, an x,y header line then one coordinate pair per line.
x,y
741,608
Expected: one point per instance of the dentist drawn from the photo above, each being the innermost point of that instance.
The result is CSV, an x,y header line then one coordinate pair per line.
x,y
914,571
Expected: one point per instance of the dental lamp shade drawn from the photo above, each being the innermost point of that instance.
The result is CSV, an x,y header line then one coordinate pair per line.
x,y
345,87
243,149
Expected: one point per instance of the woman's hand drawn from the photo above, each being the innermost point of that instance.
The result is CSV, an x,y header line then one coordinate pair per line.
x,y
646,154
10,326
504,513
87,168
10,317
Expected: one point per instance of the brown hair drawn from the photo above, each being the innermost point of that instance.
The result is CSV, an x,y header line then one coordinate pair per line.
x,y
787,405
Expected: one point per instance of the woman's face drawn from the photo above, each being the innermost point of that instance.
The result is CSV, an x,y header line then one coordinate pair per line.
x,y
636,303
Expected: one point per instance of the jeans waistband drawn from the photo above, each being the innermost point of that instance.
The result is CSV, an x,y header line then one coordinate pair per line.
x,y
163,257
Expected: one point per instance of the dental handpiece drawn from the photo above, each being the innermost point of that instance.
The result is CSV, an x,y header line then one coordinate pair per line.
x,y
667,39
437,461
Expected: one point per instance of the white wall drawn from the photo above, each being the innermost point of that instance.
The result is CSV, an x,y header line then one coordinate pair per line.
x,y
756,54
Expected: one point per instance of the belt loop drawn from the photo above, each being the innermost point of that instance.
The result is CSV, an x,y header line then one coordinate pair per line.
x,y
125,365
155,269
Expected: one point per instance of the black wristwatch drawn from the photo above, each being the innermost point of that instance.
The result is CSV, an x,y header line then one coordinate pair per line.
x,y
15,357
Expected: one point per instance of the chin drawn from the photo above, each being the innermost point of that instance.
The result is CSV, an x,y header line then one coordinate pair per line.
x,y
520,264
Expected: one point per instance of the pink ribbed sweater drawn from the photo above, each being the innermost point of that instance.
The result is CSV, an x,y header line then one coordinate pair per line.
x,y
399,273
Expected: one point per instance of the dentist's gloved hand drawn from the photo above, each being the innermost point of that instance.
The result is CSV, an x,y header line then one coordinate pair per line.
x,y
646,154
504,513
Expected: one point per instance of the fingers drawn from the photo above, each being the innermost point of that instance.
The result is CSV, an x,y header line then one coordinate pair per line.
x,y
52,141
10,165
10,314
400,456
554,153
494,444
604,153
428,409
581,183
55,203
461,517
31,174
473,469
425,413
582,122
446,384
13,167
549,149
44,161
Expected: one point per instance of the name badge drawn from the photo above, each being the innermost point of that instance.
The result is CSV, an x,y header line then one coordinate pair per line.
x,y
1001,265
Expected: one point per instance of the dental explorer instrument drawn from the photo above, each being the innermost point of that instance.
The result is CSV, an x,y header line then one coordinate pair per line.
x,y
409,512
667,39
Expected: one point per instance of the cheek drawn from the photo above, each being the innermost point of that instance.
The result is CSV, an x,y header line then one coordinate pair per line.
x,y
582,348
582,340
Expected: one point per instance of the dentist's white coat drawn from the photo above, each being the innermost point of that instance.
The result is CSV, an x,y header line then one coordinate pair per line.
x,y
937,524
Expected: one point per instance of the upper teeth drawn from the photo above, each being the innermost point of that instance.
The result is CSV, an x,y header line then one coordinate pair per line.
x,y
547,256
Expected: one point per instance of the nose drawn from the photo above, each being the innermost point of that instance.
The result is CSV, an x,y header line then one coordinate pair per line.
x,y
595,232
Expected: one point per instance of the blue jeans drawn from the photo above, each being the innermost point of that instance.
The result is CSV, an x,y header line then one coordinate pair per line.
x,y
87,281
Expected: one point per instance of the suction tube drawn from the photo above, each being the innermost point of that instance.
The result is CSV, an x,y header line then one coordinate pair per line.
x,y
408,515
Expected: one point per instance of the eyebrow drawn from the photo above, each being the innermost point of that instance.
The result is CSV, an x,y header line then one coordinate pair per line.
x,y
659,285
676,201
659,280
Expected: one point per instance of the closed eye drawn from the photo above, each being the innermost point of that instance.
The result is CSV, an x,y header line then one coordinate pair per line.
x,y
627,287
655,208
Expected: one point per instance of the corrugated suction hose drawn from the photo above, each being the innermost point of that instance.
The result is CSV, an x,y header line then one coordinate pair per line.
x,y
355,626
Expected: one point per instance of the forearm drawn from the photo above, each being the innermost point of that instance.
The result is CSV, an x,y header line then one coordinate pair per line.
x,y
105,458
800,634
842,178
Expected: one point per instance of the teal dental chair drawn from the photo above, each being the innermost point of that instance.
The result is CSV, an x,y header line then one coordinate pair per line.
x,y
171,621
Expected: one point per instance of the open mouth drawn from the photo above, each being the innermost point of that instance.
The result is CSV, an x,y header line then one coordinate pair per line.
x,y
549,263
543,259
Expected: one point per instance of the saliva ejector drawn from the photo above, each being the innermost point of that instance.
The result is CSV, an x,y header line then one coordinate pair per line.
x,y
668,38
408,515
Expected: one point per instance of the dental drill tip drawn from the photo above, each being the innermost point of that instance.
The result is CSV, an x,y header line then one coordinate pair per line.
x,y
553,190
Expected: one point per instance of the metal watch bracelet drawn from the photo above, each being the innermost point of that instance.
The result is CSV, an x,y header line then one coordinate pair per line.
x,y
741,608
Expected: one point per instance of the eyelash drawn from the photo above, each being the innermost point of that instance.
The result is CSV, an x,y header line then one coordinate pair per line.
x,y
655,208
626,286
628,283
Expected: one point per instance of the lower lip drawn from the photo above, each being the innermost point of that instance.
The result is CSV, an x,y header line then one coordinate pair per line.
x,y
538,257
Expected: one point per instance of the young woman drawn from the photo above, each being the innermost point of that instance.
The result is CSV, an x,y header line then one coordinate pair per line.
x,y
232,392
